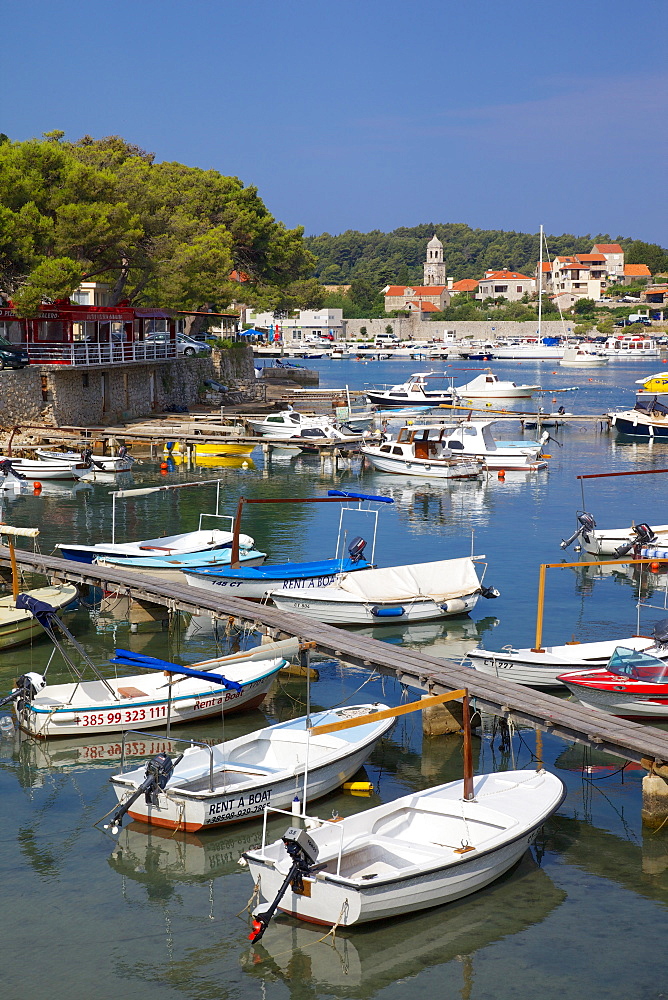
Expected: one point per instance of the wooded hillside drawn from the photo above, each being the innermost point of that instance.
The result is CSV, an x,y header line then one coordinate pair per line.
x,y
397,257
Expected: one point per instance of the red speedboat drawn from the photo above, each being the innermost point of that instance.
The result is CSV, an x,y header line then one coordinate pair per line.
x,y
634,685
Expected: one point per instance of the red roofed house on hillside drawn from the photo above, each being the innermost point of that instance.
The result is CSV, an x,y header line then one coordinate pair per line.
x,y
614,258
636,272
469,286
510,285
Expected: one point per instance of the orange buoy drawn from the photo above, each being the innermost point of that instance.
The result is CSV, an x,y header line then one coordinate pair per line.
x,y
655,567
37,487
502,473
164,466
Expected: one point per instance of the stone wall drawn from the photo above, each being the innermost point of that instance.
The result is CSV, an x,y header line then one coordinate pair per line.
x,y
83,397
413,328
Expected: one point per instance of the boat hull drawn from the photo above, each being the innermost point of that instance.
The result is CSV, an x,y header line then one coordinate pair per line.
x,y
370,888
259,588
624,704
18,627
241,791
542,670
192,700
433,469
359,613
638,425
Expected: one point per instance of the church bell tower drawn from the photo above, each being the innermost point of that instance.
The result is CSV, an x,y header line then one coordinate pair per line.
x,y
434,266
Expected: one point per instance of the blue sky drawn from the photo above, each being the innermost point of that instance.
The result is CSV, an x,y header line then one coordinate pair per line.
x,y
361,114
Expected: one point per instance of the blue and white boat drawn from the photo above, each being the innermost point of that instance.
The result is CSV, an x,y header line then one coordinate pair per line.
x,y
256,583
168,567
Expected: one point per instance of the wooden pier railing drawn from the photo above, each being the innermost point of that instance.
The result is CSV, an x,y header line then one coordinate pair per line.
x,y
629,740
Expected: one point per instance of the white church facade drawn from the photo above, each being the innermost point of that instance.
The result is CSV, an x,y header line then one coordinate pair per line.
x,y
430,297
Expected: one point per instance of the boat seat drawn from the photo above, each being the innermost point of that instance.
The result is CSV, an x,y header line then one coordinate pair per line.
x,y
131,692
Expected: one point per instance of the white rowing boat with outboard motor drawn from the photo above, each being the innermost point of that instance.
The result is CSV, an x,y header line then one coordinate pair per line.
x,y
210,786
424,849
138,700
105,463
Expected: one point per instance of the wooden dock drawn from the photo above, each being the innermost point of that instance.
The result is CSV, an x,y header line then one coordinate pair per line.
x,y
629,740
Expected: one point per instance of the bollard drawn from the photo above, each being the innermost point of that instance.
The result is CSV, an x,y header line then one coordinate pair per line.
x,y
440,719
654,801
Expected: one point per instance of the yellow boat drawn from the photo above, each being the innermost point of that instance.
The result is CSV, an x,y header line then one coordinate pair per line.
x,y
208,449
225,461
654,383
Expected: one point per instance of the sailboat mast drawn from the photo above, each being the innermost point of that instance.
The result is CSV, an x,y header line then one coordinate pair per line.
x,y
540,285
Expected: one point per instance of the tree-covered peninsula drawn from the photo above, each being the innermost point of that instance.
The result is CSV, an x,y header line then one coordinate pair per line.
x,y
161,234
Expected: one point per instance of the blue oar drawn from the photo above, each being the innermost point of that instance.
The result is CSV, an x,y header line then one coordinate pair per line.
x,y
129,659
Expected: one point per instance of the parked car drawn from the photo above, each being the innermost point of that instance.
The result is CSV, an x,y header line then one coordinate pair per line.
x,y
184,345
12,355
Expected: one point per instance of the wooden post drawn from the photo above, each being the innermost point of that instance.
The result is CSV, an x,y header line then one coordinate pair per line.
x,y
468,751
15,572
540,609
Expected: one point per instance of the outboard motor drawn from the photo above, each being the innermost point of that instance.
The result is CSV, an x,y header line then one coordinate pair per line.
x,y
158,772
356,548
27,686
489,592
304,853
644,536
122,451
660,632
7,469
586,529
86,455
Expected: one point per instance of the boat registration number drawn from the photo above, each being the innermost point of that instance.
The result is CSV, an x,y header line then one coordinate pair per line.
x,y
501,664
89,719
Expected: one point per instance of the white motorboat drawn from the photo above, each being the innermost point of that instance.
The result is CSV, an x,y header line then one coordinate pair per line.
x,y
392,595
173,568
536,350
542,670
144,700
419,449
582,356
290,423
625,346
416,391
543,419
632,685
236,780
487,385
474,439
35,470
422,850
105,463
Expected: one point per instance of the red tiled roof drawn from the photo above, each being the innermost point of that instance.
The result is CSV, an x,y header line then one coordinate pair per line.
x,y
591,258
608,248
239,276
428,307
637,271
514,275
546,266
414,290
465,285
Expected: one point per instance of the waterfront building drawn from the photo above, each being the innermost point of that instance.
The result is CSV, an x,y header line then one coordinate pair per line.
x,y
510,285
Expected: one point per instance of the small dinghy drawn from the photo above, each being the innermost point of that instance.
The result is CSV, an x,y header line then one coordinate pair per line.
x,y
632,685
424,849
35,470
543,669
236,780
138,700
104,463
392,595
171,567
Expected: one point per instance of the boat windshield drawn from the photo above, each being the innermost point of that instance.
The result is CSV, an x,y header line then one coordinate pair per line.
x,y
638,666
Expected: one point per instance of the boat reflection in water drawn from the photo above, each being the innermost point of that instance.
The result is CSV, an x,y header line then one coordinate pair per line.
x,y
360,962
451,638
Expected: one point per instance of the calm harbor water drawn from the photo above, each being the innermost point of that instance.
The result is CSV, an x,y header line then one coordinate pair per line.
x,y
155,914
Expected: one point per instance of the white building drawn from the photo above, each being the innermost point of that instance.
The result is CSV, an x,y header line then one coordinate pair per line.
x,y
510,285
308,324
